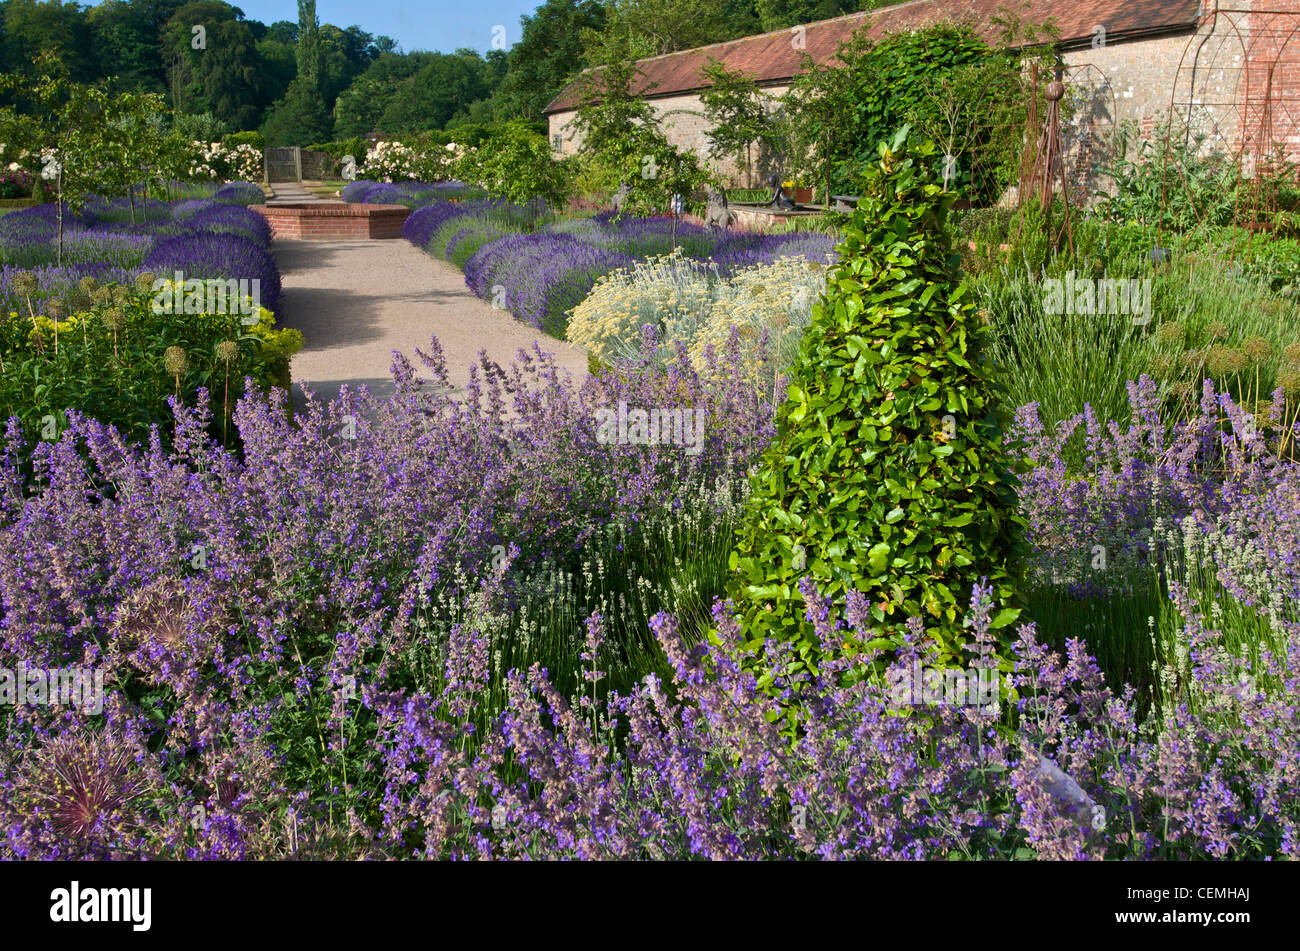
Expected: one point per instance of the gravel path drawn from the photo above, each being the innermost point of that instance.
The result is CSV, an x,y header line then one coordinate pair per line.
x,y
357,301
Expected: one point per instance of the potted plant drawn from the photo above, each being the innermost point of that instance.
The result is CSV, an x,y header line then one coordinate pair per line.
x,y
796,189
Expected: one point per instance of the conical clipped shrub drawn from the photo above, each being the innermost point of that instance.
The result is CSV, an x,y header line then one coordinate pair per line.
x,y
888,475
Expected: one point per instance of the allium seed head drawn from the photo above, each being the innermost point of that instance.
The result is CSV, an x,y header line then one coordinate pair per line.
x,y
1289,381
88,782
1171,332
175,361
1257,349
23,283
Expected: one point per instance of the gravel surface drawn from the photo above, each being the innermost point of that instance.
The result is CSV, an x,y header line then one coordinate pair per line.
x,y
357,301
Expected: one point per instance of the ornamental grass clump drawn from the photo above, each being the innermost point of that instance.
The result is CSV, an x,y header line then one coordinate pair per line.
x,y
888,478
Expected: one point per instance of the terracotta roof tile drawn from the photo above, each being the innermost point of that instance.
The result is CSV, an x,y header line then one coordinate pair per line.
x,y
771,57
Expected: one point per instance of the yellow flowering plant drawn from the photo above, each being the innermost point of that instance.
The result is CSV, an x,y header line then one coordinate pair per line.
x,y
688,301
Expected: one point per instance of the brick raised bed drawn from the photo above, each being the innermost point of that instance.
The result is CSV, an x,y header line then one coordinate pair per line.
x,y
330,220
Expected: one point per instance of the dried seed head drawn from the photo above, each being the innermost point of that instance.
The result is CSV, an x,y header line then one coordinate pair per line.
x,y
1289,381
227,350
1223,361
55,309
175,361
79,300
88,784
1291,353
119,295
1257,349
115,318
1218,330
88,284
158,615
23,283
1171,332
144,281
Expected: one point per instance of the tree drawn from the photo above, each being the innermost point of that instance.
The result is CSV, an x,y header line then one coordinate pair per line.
x,y
517,164
549,54
133,146
739,114
973,105
33,27
65,123
872,89
780,14
443,87
300,118
126,39
231,74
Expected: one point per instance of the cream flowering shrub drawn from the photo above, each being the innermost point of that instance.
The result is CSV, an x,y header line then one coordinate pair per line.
x,y
671,292
776,297
212,160
688,301
389,161
243,163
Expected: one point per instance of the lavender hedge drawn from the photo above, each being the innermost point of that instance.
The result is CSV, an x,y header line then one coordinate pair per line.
x,y
239,193
100,241
542,276
218,254
547,270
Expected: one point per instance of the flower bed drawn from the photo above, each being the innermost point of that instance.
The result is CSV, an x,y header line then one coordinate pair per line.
x,y
545,270
404,588
104,241
110,333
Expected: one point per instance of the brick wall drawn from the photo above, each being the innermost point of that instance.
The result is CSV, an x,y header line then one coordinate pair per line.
x,y
684,123
331,221
1216,79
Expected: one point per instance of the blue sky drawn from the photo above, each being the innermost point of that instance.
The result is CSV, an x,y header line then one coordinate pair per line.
x,y
416,24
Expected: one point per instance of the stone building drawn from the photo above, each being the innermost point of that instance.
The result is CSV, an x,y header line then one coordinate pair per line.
x,y
1229,69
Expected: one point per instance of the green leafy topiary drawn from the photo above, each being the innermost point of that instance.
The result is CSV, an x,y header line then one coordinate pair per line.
x,y
888,475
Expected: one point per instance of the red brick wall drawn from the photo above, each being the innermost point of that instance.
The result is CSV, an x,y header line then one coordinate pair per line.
x,y
1270,83
334,221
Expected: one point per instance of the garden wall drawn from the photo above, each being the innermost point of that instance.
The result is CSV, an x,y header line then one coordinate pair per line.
x,y
325,221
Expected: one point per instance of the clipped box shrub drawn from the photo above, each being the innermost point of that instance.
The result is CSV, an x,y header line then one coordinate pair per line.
x,y
888,480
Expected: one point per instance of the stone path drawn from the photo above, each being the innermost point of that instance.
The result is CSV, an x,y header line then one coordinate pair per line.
x,y
357,301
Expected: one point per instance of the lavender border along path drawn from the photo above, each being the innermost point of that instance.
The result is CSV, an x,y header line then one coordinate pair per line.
x,y
358,301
